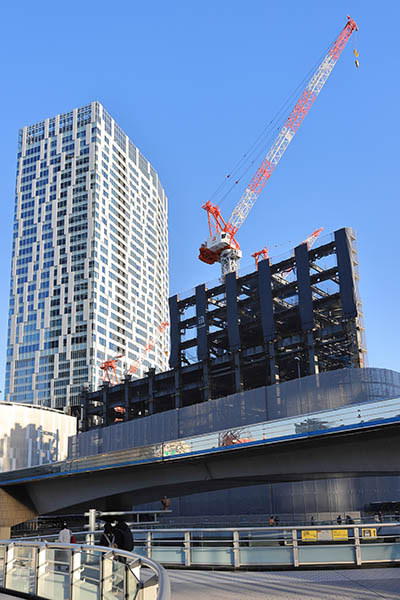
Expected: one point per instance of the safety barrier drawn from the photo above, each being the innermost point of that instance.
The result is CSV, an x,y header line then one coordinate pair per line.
x,y
296,547
80,571
246,547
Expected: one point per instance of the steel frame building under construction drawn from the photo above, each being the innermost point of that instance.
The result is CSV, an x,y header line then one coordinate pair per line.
x,y
288,319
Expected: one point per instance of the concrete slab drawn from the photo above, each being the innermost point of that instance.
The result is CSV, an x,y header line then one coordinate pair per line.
x,y
346,584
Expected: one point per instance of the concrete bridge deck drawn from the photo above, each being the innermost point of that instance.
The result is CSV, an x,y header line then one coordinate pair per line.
x,y
346,584
357,440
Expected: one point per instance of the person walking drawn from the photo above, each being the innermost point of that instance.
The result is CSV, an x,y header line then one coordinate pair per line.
x,y
123,536
64,536
61,557
339,520
108,537
312,520
271,521
276,520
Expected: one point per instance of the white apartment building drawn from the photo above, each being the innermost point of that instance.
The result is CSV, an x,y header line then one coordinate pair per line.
x,y
89,276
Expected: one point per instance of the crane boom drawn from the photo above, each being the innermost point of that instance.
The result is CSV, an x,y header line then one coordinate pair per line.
x,y
222,246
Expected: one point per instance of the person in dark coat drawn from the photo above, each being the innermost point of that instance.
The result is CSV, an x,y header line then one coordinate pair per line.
x,y
123,536
108,536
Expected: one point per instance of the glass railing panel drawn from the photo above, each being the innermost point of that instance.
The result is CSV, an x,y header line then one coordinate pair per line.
x,y
2,564
168,547
376,552
212,547
113,578
132,581
172,555
54,573
86,575
327,554
21,569
212,556
266,556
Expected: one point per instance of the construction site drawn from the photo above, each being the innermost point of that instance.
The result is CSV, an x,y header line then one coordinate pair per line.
x,y
297,317
292,317
284,338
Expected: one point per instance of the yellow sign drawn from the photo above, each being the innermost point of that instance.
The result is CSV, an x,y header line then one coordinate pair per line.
x,y
368,533
309,535
340,534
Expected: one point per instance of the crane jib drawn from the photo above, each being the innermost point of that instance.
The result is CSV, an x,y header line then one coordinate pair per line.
x,y
216,250
286,134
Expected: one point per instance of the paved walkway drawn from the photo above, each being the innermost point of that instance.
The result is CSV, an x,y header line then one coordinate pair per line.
x,y
344,584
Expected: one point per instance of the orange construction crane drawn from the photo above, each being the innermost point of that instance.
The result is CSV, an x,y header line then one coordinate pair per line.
x,y
221,245
137,363
263,253
309,241
135,366
110,370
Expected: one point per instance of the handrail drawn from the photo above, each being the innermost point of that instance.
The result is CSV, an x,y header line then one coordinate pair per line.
x,y
290,545
27,573
358,522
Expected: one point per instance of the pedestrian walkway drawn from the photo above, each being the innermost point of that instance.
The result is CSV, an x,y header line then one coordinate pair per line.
x,y
343,584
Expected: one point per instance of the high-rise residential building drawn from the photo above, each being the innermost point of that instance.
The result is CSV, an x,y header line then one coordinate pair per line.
x,y
89,277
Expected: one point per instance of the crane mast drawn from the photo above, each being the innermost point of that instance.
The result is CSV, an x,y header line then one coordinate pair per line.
x,y
222,246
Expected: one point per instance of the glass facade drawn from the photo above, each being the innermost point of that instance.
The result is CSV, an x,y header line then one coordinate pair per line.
x,y
89,276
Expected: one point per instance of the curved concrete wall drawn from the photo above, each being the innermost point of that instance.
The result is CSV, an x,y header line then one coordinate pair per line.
x,y
31,435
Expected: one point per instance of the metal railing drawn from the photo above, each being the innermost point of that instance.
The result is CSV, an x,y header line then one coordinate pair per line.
x,y
246,547
80,572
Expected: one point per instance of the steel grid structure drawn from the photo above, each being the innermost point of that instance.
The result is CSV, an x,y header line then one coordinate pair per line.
x,y
251,331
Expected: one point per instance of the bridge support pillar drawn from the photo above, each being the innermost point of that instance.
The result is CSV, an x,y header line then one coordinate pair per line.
x,y
15,507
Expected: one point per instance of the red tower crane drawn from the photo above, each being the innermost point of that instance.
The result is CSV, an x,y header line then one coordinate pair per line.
x,y
110,370
148,347
221,246
263,253
309,241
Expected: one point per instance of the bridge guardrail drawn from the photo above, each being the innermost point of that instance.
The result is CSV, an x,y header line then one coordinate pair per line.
x,y
244,547
80,572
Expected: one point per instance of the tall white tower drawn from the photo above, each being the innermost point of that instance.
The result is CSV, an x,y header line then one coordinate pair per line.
x,y
89,277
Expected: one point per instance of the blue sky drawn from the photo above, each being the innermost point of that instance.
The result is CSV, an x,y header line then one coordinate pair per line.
x,y
193,84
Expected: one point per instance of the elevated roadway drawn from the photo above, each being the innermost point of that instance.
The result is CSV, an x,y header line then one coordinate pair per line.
x,y
357,440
